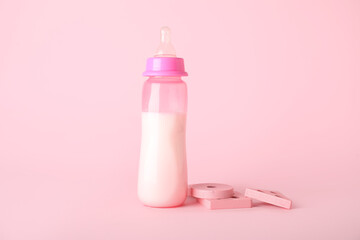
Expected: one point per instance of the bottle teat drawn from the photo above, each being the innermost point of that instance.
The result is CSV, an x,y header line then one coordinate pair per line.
x,y
165,49
165,62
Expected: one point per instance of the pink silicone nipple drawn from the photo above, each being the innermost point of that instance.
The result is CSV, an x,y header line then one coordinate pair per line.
x,y
165,49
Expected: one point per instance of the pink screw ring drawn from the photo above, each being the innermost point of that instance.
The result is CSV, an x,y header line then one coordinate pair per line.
x,y
212,190
165,66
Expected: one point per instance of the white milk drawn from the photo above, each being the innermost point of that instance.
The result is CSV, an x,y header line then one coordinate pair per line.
x,y
162,172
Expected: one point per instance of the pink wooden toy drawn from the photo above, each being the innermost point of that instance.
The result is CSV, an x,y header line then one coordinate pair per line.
x,y
271,197
211,190
236,201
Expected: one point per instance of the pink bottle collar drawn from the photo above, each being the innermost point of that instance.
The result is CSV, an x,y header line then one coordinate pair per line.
x,y
165,66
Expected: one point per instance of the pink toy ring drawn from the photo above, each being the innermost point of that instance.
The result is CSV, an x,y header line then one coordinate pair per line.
x,y
211,190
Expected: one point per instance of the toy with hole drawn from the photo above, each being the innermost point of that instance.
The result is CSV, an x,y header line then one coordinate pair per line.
x,y
271,197
211,190
236,201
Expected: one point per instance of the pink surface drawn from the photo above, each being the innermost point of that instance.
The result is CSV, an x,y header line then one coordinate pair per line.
x,y
273,103
271,197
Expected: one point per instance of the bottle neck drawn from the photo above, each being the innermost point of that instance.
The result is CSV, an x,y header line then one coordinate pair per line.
x,y
165,79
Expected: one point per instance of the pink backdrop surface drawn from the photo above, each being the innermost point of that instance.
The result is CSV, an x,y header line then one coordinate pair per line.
x,y
273,103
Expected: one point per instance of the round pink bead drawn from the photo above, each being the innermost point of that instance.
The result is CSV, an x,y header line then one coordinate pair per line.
x,y
211,190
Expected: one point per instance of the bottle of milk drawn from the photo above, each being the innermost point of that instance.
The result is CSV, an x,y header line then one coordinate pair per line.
x,y
162,179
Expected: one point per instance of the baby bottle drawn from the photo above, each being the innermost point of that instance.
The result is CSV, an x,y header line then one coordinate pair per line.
x,y
162,178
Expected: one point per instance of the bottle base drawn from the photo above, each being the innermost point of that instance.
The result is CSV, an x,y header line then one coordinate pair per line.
x,y
170,206
159,204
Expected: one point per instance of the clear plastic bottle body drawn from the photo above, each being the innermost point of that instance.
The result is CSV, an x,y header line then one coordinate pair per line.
x,y
162,178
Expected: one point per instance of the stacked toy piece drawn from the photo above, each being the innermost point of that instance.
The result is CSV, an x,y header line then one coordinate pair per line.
x,y
222,196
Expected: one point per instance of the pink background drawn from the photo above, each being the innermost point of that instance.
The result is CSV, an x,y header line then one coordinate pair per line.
x,y
273,103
